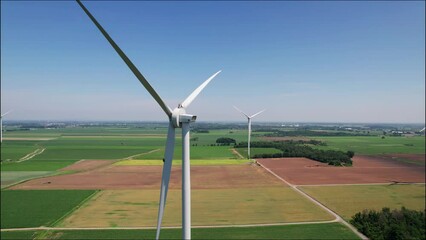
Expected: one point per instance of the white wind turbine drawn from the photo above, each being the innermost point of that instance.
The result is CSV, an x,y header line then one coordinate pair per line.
x,y
177,119
249,127
1,125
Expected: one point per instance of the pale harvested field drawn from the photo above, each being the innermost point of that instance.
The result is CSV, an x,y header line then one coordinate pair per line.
x,y
27,139
348,200
85,165
134,208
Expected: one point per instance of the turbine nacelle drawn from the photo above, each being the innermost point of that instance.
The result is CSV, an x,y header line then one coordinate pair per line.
x,y
179,116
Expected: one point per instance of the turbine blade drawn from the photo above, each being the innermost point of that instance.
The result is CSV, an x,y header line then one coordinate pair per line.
x,y
197,91
241,112
6,113
254,115
129,63
167,168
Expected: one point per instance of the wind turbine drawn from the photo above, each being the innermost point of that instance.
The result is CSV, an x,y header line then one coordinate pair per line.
x,y
249,127
178,118
1,125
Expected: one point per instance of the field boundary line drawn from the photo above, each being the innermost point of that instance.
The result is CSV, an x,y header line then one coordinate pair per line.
x,y
141,154
360,184
74,208
338,218
96,168
234,151
166,227
31,155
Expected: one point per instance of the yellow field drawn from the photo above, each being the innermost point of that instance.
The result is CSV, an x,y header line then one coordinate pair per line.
x,y
179,162
133,208
348,200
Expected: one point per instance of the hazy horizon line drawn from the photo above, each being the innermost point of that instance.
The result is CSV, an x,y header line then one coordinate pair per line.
x,y
214,121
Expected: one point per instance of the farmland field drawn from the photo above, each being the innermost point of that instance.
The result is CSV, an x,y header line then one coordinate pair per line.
x,y
32,165
348,200
149,177
14,150
18,235
303,231
33,208
365,169
123,167
374,144
134,208
197,152
12,177
254,151
97,148
179,162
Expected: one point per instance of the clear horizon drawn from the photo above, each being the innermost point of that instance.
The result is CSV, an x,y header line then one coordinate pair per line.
x,y
323,62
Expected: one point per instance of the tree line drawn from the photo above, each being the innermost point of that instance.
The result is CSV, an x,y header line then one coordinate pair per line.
x,y
309,133
296,149
386,224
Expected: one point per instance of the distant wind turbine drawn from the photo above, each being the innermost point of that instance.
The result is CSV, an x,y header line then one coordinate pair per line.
x,y
249,127
177,119
1,125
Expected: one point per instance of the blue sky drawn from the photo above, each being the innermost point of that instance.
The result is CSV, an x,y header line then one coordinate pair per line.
x,y
303,61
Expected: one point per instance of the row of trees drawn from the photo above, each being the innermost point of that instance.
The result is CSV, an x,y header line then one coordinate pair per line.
x,y
225,141
386,224
295,149
280,133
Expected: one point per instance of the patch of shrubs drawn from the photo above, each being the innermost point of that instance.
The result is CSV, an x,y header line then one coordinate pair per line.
x,y
387,224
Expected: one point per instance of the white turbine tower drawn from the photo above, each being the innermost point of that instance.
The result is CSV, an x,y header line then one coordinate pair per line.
x,y
177,119
1,125
249,127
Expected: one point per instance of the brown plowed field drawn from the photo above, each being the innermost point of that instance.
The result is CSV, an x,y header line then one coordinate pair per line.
x,y
85,165
365,169
149,177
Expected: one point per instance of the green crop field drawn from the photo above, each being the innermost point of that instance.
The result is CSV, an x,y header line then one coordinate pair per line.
x,y
97,148
302,231
12,177
32,165
197,152
87,131
94,153
375,144
18,235
348,200
178,162
14,150
34,208
254,151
